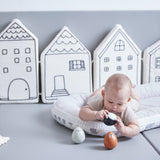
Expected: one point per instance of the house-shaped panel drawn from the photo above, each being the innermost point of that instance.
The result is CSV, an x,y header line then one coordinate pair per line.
x,y
117,53
151,63
66,67
18,65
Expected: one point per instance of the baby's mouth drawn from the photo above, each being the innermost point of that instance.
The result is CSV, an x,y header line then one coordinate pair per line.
x,y
113,111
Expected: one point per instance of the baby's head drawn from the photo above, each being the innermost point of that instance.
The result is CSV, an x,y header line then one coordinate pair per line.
x,y
116,93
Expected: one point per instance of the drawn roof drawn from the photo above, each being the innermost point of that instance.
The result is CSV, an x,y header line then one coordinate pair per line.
x,y
105,44
65,42
15,31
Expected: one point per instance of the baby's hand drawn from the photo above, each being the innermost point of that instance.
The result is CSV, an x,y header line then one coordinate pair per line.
x,y
100,115
119,125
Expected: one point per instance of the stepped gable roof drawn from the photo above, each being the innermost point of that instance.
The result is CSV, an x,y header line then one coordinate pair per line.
x,y
15,31
66,42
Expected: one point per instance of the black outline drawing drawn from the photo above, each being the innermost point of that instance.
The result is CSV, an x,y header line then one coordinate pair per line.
x,y
130,58
77,65
157,62
62,91
118,68
16,60
61,46
4,51
26,89
5,70
28,69
130,67
118,58
119,45
65,43
157,78
106,69
17,32
151,53
100,55
106,59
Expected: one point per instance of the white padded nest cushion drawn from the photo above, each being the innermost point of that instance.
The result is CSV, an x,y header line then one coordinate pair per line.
x,y
66,111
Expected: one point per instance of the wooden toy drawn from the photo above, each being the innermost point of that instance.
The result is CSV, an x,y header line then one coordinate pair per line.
x,y
110,140
78,135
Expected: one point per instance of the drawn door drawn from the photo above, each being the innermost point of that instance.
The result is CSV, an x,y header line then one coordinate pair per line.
x,y
59,86
18,90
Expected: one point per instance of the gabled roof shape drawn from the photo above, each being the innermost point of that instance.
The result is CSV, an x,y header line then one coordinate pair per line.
x,y
153,48
119,42
151,57
65,42
16,31
105,44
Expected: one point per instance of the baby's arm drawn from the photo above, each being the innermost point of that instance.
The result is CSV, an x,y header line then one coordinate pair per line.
x,y
128,131
87,114
134,94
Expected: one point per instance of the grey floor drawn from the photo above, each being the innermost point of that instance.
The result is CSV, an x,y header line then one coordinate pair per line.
x,y
35,135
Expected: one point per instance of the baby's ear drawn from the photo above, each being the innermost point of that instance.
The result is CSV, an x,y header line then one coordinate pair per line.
x,y
102,92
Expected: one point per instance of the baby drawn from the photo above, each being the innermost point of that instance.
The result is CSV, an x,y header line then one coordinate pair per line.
x,y
119,97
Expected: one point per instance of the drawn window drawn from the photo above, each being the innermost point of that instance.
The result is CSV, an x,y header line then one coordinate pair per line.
x,y
119,46
106,59
28,60
157,62
4,51
157,79
119,68
106,69
118,58
28,50
5,70
16,60
130,67
29,69
16,51
130,58
76,65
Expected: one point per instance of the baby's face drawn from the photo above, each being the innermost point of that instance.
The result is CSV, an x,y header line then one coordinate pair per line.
x,y
115,101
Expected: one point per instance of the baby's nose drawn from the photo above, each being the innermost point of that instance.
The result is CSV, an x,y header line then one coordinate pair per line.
x,y
114,106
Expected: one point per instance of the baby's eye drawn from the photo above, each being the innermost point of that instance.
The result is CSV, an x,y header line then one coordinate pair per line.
x,y
120,104
110,101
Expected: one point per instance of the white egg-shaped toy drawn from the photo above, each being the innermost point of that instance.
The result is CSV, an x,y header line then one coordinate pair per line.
x,y
78,135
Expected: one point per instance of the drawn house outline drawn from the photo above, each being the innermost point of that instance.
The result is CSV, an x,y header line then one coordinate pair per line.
x,y
65,56
117,53
19,65
151,63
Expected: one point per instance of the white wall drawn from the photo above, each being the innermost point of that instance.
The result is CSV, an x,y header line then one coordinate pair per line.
x,y
77,5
